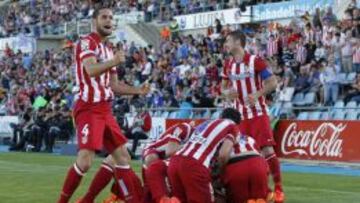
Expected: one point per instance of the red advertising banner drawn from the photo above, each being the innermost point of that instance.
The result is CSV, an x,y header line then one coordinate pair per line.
x,y
319,140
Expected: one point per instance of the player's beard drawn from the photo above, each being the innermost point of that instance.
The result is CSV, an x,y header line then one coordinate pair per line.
x,y
103,32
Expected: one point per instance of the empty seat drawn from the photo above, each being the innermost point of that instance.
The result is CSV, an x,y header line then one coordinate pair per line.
x,y
342,78
157,114
352,115
286,94
339,115
286,108
207,114
351,104
216,115
325,116
298,99
339,104
303,116
165,114
314,115
310,98
173,114
351,77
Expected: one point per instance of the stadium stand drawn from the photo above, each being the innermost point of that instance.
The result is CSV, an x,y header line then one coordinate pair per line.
x,y
185,70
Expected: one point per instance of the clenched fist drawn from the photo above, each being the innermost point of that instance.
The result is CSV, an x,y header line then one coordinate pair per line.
x,y
119,57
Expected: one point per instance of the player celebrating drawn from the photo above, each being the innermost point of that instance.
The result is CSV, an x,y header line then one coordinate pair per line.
x,y
96,80
154,157
189,169
245,175
246,81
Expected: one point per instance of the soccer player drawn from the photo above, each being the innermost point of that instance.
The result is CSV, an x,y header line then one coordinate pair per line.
x,y
189,168
96,128
246,81
155,163
245,174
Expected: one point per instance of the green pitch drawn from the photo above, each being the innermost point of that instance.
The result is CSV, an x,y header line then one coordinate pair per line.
x,y
37,178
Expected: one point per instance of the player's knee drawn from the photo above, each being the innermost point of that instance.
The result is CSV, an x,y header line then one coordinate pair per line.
x,y
85,159
109,161
121,156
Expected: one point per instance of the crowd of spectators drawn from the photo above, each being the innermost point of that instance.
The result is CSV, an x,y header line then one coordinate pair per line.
x,y
35,17
185,71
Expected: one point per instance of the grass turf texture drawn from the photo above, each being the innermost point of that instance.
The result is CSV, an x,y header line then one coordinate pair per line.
x,y
38,178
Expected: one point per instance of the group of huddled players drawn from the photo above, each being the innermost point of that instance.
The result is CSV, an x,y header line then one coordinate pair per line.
x,y
210,162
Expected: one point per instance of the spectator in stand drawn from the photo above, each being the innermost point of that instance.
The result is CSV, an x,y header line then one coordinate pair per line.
x,y
347,53
302,82
356,56
174,29
354,93
328,78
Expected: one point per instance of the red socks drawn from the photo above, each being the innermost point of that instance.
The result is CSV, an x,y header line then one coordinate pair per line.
x,y
72,181
100,181
129,184
156,180
274,166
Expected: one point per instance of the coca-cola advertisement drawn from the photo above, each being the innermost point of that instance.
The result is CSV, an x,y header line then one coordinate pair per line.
x,y
319,140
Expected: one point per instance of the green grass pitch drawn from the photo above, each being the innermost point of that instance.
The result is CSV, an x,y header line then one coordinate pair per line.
x,y
37,178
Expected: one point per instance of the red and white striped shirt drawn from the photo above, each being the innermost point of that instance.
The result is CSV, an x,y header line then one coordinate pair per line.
x,y
178,133
206,139
244,146
356,55
246,79
301,54
92,89
272,47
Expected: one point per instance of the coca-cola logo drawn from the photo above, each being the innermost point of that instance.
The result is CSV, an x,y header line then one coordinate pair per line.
x,y
323,141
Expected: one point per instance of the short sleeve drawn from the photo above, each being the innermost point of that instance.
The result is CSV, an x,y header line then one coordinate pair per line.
x,y
233,133
226,70
260,65
87,48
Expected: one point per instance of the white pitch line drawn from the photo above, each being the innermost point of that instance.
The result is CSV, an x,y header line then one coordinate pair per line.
x,y
322,190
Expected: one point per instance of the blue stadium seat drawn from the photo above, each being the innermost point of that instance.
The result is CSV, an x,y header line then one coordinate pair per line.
x,y
275,109
325,116
286,108
206,114
310,98
157,114
352,115
339,115
351,77
298,99
165,114
303,116
352,105
216,115
314,115
339,104
342,78
173,114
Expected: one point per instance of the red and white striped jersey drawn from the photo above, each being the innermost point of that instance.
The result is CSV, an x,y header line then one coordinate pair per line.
x,y
92,89
300,54
356,55
246,79
244,146
272,47
179,133
207,138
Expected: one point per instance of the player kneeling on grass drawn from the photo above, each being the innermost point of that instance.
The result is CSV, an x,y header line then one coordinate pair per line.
x,y
245,171
155,164
189,169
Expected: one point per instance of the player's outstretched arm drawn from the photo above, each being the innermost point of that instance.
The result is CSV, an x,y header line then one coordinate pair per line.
x,y
94,68
120,88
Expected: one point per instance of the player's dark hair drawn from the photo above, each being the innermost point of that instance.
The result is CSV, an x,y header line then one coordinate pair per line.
x,y
238,35
97,11
232,114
